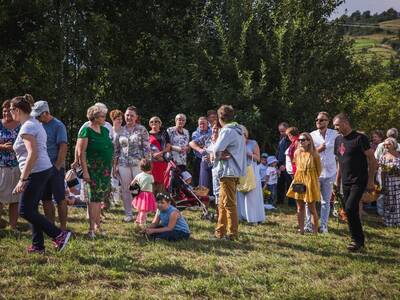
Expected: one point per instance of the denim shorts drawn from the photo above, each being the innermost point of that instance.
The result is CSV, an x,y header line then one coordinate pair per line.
x,y
55,187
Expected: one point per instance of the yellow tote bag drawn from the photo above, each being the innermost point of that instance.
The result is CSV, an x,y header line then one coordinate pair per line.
x,y
247,183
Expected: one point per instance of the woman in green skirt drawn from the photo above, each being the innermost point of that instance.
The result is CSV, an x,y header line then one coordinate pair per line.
x,y
95,153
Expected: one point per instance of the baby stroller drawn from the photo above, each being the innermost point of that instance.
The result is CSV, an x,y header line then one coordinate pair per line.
x,y
182,193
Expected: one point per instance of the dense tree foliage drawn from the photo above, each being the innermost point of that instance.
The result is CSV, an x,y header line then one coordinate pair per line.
x,y
379,106
273,60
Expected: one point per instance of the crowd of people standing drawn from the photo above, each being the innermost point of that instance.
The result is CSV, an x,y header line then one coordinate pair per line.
x,y
306,169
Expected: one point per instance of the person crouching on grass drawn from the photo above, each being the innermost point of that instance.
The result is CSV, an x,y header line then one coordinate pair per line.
x,y
305,185
145,201
168,223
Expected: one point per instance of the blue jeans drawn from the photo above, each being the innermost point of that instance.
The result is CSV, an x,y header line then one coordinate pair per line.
x,y
273,188
205,176
172,236
326,186
55,187
28,208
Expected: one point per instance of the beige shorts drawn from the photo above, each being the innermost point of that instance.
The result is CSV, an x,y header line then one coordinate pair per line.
x,y
9,178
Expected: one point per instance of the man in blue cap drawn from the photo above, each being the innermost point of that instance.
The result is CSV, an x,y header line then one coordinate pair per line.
x,y
57,146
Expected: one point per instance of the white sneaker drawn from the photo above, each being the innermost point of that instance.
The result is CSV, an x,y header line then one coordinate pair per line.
x,y
323,230
102,232
308,229
128,219
91,235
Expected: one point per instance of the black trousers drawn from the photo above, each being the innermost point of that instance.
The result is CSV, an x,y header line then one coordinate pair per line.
x,y
284,182
352,196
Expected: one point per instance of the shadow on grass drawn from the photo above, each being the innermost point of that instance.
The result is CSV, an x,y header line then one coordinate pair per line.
x,y
363,256
218,247
133,265
374,223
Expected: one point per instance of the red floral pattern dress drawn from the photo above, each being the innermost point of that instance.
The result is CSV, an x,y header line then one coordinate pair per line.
x,y
99,154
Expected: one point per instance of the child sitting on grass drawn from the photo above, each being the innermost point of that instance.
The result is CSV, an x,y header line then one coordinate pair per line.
x,y
168,224
145,201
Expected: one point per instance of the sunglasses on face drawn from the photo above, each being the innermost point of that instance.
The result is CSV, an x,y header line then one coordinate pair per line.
x,y
153,122
321,120
303,140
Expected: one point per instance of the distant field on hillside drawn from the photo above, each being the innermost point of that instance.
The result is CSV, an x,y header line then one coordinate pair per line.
x,y
367,47
392,24
375,45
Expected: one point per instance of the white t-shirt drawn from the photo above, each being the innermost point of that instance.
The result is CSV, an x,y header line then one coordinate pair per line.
x,y
34,128
328,159
145,182
272,174
288,164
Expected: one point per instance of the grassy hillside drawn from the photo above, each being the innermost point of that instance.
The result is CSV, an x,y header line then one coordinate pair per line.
x,y
270,261
377,45
390,25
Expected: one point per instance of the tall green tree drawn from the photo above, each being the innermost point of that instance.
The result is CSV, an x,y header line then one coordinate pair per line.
x,y
273,60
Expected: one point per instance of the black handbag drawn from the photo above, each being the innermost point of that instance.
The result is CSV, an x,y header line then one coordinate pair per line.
x,y
79,172
135,189
299,188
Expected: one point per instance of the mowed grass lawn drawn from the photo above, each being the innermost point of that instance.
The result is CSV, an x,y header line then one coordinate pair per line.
x,y
270,261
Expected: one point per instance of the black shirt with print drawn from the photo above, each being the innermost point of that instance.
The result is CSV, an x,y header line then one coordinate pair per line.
x,y
350,152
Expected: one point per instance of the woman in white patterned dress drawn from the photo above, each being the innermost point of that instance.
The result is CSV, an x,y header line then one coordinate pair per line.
x,y
390,167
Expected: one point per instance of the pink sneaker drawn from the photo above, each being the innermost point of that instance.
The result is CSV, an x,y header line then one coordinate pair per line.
x,y
34,249
62,240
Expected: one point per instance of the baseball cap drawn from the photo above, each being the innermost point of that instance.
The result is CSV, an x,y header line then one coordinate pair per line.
x,y
264,155
39,107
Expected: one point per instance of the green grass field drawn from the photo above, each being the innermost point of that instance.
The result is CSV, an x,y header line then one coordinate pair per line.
x,y
269,261
368,47
373,46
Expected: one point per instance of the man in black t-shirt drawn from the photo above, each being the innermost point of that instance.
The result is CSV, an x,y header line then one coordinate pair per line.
x,y
356,171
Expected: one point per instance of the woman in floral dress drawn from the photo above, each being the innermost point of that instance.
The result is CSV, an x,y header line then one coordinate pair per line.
x,y
390,167
9,170
95,153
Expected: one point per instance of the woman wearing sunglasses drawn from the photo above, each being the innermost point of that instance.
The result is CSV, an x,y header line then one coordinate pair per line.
x,y
305,186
